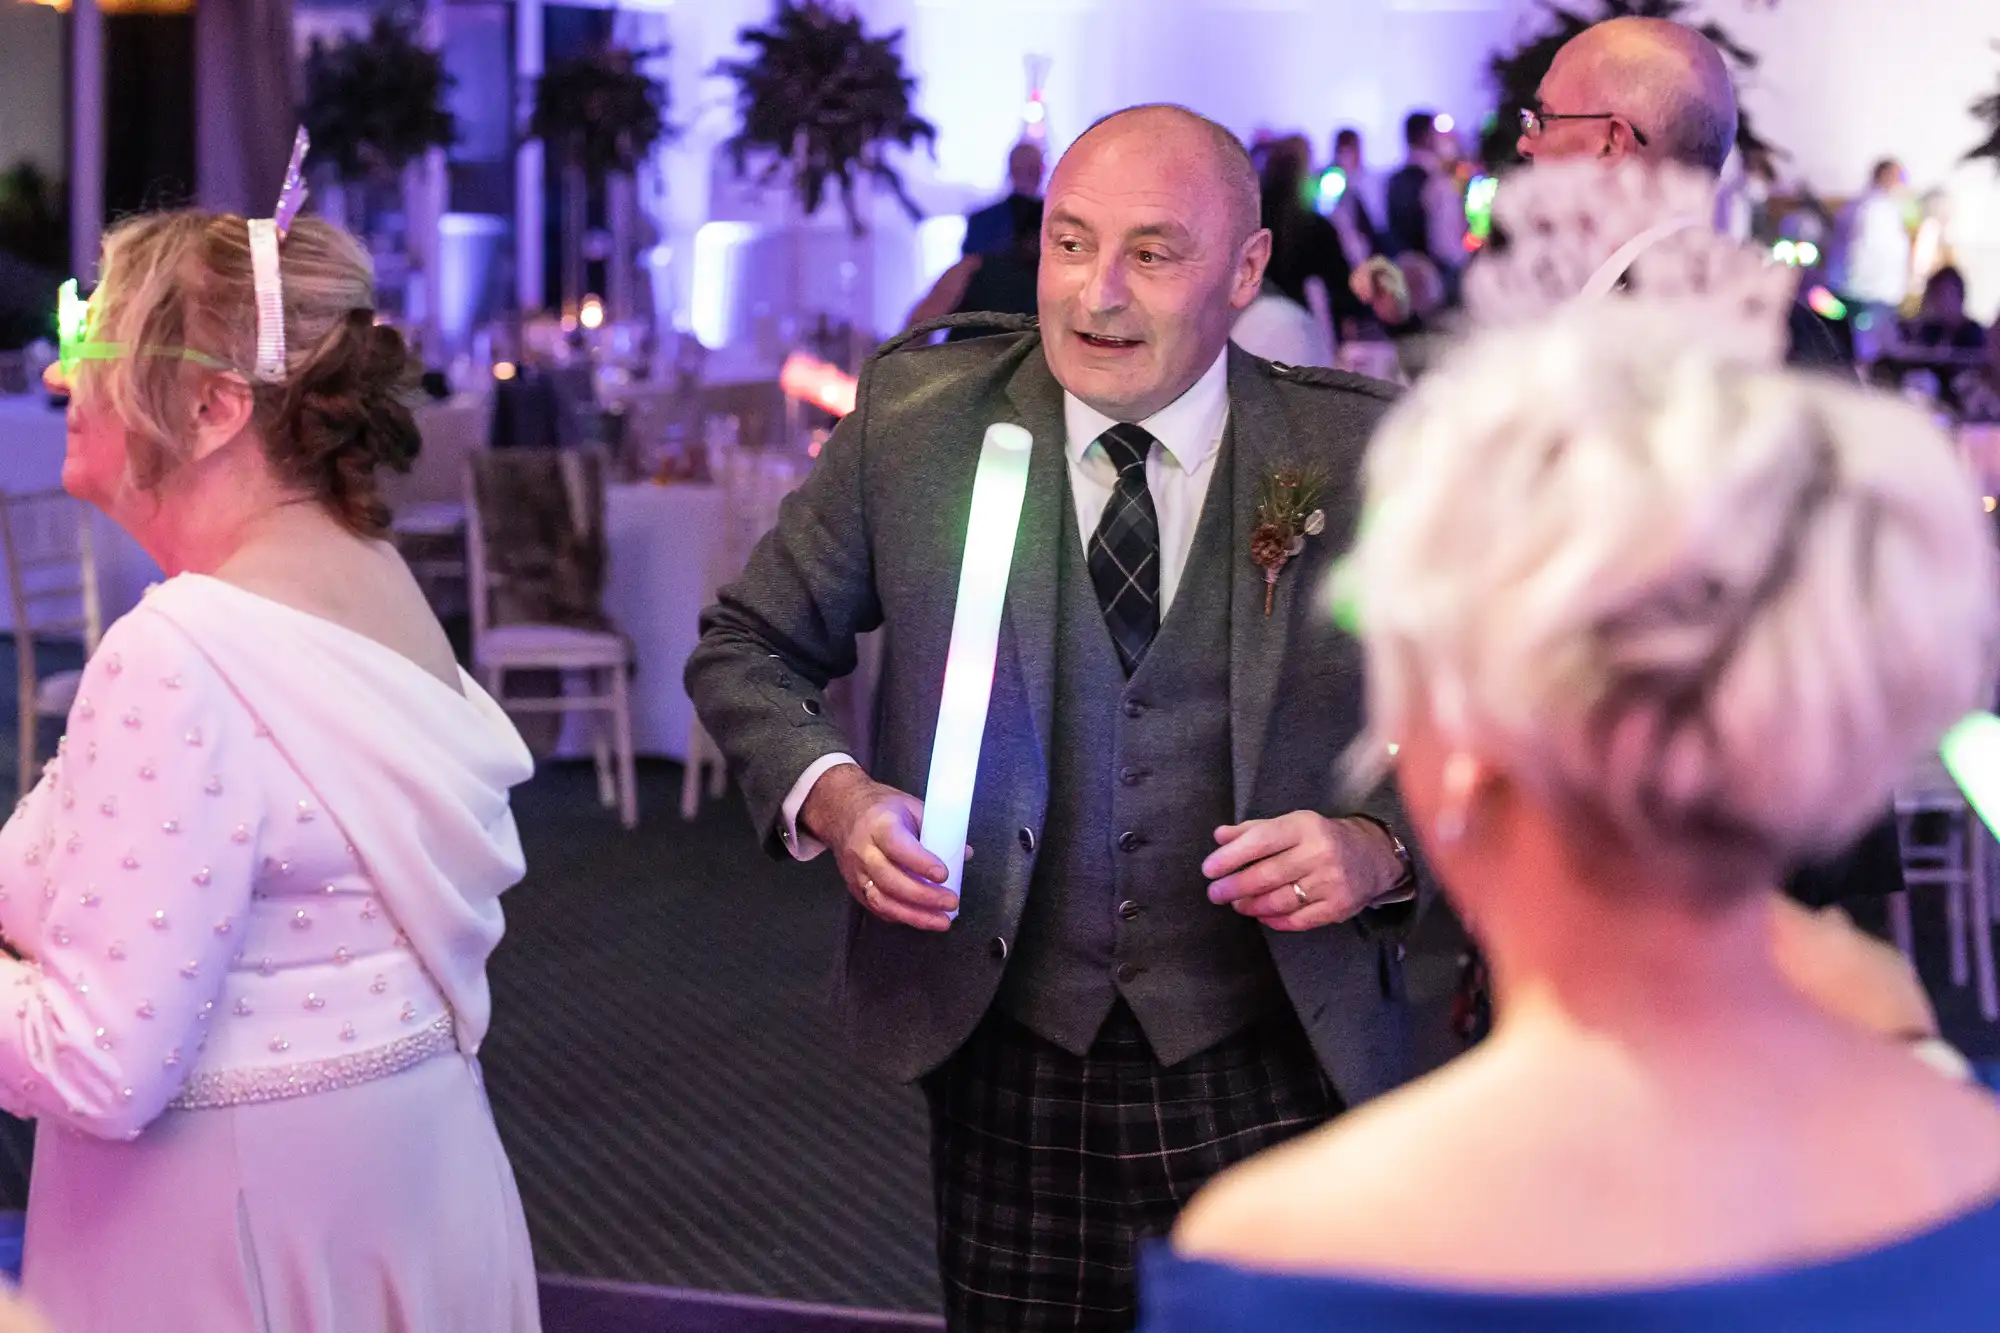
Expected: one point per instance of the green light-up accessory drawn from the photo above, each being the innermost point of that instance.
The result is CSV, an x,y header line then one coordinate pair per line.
x,y
1343,589
1971,754
1479,197
1327,192
73,324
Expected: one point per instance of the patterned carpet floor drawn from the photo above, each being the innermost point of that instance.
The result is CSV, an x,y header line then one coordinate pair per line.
x,y
677,1108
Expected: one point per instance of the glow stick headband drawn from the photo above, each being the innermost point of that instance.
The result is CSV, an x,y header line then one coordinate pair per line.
x,y
265,270
74,344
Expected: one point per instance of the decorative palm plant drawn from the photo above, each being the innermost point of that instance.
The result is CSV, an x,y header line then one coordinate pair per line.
x,y
600,115
821,101
1517,74
598,111
1987,109
375,104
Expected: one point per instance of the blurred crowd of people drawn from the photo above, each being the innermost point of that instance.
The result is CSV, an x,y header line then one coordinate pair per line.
x,y
1906,300
1363,259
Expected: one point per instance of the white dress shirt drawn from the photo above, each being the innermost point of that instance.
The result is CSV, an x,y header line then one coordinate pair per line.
x,y
1878,255
1188,432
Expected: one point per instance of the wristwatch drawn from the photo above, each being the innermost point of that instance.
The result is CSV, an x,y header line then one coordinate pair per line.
x,y
1407,880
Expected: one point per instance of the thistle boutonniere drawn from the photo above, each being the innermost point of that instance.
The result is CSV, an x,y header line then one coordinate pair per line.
x,y
1288,512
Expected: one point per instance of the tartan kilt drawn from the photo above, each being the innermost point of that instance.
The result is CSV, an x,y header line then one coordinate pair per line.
x,y
1051,1169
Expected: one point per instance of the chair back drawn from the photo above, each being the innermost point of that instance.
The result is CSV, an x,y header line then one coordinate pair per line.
x,y
51,568
761,410
534,538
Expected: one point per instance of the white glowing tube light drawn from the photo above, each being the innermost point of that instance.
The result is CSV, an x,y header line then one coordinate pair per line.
x,y
997,491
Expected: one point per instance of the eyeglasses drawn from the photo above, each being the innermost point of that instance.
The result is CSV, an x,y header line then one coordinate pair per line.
x,y
75,347
1534,120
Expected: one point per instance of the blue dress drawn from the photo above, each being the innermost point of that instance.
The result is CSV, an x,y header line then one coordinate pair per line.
x,y
1946,1280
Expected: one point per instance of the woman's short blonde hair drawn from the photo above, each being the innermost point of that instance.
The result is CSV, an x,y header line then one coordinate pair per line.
x,y
1715,609
183,280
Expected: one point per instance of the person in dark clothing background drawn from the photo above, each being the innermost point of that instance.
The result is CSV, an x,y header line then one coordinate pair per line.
x,y
1303,244
1408,222
1000,280
998,226
1350,216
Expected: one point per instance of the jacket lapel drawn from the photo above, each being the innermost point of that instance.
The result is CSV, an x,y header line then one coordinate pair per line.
x,y
1257,439
1031,585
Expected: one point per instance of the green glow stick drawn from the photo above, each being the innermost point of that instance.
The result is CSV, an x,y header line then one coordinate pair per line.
x,y
72,315
73,322
1971,754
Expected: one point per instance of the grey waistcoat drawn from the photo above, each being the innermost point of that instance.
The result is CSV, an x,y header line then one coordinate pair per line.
x,y
1140,779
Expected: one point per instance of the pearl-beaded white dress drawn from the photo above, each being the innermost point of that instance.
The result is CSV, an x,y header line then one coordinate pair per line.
x,y
254,896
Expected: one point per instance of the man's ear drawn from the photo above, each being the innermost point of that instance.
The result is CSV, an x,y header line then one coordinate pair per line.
x,y
1619,143
1251,261
223,406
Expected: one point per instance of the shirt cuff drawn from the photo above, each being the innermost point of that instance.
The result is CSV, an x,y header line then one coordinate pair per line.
x,y
1944,1058
802,845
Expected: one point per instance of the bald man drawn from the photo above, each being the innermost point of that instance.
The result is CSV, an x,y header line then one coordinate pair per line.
x,y
1658,90
1633,87
1177,943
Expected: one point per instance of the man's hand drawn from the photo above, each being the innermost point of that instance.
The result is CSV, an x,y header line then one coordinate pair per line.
x,y
1302,870
873,830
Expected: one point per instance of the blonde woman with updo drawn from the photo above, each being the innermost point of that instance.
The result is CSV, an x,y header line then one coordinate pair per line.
x,y
254,895
1646,628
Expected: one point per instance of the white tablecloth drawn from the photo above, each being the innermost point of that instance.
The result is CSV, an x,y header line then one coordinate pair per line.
x,y
659,538
32,441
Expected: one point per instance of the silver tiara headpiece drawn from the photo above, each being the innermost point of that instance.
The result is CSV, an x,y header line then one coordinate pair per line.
x,y
266,272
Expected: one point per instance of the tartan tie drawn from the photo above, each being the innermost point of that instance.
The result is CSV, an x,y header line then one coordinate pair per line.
x,y
1125,550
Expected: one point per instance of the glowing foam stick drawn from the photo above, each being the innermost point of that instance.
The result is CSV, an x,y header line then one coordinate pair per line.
x,y
997,490
818,383
1971,754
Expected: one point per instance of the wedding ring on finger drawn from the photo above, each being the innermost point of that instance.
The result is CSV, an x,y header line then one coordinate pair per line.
x,y
869,891
1300,893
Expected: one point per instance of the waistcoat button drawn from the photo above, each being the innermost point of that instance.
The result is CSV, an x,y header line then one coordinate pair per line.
x,y
1130,842
811,706
1134,708
1027,836
1126,973
1129,909
1132,777
998,948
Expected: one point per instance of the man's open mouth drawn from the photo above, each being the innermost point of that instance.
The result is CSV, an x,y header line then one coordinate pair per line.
x,y
1106,342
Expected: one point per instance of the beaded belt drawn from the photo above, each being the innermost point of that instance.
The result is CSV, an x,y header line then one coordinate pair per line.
x,y
243,1087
